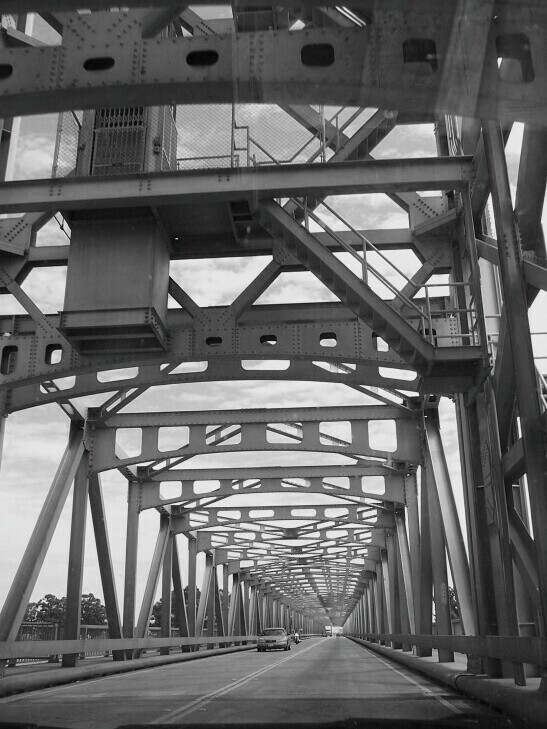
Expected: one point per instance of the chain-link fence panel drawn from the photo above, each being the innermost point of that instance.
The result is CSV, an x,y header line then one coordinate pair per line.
x,y
204,136
66,143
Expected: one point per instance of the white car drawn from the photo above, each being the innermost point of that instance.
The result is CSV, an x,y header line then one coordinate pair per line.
x,y
273,638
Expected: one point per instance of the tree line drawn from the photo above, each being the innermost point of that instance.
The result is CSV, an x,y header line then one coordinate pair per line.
x,y
52,609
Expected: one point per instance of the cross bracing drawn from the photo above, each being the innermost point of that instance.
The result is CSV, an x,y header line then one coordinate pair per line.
x,y
340,514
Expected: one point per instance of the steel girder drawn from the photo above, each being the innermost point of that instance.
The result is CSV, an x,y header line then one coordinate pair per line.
x,y
346,481
176,188
460,75
304,429
281,342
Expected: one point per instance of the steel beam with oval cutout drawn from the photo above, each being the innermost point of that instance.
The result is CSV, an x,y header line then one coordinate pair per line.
x,y
397,62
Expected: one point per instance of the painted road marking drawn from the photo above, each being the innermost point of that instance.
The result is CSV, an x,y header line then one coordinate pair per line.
x,y
422,688
199,704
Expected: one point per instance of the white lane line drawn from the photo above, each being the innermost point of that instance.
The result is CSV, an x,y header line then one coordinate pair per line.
x,y
199,704
423,689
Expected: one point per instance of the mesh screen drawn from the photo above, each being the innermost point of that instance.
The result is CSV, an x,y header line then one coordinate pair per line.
x,y
205,136
66,145
245,135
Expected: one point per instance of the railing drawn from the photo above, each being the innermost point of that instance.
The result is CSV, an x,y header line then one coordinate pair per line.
x,y
514,649
26,650
426,314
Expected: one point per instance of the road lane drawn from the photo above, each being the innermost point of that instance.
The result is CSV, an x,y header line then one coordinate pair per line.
x,y
320,680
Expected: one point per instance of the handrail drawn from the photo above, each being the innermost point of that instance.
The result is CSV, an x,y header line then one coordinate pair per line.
x,y
362,260
512,648
38,648
367,242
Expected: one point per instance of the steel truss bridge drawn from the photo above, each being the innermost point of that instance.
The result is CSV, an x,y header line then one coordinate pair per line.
x,y
308,92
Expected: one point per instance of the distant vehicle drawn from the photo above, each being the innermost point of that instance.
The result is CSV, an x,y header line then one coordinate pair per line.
x,y
273,638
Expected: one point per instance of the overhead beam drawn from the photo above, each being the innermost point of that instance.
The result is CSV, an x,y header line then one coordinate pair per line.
x,y
269,415
176,188
363,68
25,6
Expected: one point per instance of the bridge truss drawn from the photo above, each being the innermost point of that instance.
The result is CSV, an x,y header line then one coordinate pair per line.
x,y
304,97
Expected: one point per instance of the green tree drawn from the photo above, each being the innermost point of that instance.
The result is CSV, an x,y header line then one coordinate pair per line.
x,y
93,611
52,609
454,604
31,613
155,618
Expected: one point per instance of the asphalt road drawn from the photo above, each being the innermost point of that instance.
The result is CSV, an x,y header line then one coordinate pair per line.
x,y
320,680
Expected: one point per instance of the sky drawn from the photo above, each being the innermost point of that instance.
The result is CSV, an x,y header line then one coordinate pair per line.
x,y
35,439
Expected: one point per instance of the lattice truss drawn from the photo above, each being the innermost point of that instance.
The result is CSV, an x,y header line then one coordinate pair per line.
x,y
182,136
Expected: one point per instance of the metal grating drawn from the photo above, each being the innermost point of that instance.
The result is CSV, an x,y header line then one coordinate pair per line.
x,y
118,141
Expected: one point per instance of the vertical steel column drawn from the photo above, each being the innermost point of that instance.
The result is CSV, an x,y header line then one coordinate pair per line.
x,y
166,599
192,557
378,601
153,577
387,591
516,309
204,595
3,423
252,610
131,547
478,513
371,610
232,610
393,579
259,610
76,559
33,558
225,597
181,615
438,470
219,616
406,568
425,622
403,606
440,574
211,603
245,606
413,522
498,528
98,516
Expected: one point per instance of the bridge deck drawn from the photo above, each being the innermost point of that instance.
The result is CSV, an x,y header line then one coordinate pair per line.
x,y
320,680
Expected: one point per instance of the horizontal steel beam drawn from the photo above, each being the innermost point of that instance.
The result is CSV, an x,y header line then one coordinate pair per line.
x,y
266,415
272,472
307,430
362,67
175,188
346,482
25,6
221,246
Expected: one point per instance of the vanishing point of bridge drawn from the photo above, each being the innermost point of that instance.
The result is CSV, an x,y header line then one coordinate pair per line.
x,y
351,167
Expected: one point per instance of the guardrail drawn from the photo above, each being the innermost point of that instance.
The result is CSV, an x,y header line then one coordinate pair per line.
x,y
38,648
512,648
